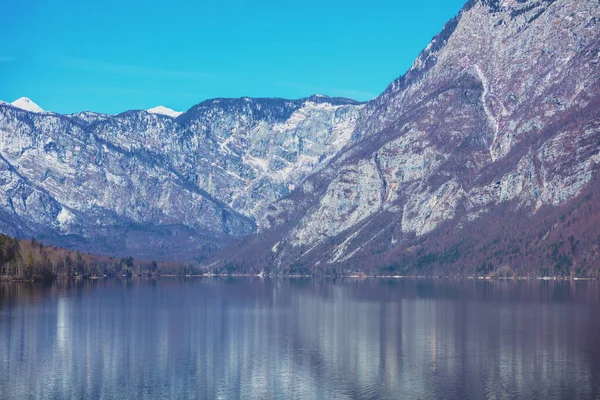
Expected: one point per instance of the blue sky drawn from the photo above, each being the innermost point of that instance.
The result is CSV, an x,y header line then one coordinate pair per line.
x,y
111,56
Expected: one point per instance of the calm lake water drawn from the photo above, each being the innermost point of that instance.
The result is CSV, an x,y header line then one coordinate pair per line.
x,y
301,339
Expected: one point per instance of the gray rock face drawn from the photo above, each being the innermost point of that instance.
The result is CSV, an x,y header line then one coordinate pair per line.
x,y
502,106
102,180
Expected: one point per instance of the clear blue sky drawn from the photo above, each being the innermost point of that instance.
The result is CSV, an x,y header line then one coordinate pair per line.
x,y
111,56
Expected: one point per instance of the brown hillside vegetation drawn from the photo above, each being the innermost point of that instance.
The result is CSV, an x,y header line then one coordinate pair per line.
x,y
32,260
509,241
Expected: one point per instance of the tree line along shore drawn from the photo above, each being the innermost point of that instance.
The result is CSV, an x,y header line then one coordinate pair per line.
x,y
32,260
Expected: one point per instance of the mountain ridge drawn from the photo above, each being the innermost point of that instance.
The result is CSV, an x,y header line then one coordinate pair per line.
x,y
495,124
124,154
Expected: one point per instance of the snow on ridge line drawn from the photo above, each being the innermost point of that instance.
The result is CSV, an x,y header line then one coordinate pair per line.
x,y
164,111
26,104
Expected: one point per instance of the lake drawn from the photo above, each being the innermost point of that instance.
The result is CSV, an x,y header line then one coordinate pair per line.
x,y
300,339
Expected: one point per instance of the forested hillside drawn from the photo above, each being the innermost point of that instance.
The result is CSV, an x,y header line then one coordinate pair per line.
x,y
32,260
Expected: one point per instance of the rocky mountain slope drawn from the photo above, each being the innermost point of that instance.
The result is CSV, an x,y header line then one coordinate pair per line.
x,y
481,159
151,185
472,162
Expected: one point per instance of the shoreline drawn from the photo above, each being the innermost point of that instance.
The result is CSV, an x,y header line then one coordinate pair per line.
x,y
262,276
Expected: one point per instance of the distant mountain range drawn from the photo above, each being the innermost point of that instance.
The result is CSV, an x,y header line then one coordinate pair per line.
x,y
148,184
481,160
26,104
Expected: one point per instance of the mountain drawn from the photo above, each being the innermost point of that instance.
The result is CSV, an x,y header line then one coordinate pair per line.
x,y
164,111
481,159
152,186
26,104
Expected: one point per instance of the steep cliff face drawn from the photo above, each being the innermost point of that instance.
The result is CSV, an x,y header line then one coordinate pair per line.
x,y
158,186
501,110
260,150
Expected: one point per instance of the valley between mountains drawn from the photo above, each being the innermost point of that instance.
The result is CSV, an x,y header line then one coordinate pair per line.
x,y
482,159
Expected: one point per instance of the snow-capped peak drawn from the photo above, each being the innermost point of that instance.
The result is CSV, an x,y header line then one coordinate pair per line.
x,y
26,104
164,111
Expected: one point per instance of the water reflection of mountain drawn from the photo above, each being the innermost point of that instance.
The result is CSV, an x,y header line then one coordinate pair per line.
x,y
300,339
384,342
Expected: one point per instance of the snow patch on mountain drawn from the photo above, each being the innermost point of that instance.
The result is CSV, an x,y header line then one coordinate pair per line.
x,y
26,104
164,111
